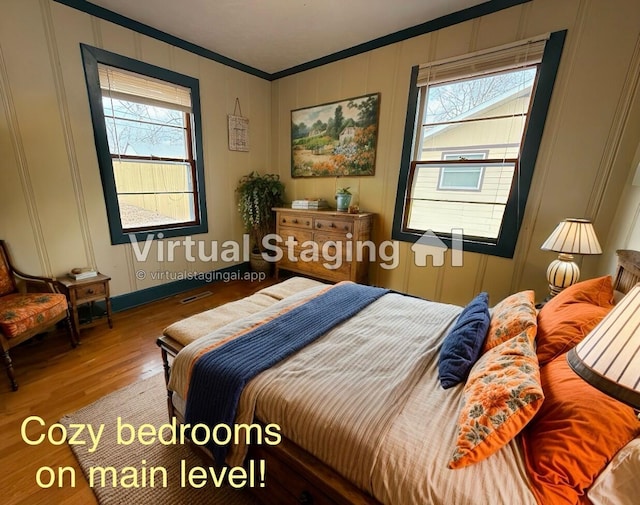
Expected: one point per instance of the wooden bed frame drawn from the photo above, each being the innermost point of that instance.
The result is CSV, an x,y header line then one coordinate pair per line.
x,y
295,477
628,271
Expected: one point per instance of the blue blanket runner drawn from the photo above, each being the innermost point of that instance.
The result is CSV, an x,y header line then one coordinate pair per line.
x,y
219,376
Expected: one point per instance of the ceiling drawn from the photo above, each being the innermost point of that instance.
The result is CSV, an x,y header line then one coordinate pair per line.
x,y
275,35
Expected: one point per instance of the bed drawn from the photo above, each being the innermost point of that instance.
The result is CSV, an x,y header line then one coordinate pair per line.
x,y
365,424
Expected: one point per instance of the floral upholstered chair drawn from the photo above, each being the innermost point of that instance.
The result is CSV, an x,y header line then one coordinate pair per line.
x,y
24,315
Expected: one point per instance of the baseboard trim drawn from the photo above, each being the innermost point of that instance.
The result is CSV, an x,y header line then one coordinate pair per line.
x,y
147,295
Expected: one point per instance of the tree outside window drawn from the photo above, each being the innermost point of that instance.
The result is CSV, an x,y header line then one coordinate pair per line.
x,y
146,125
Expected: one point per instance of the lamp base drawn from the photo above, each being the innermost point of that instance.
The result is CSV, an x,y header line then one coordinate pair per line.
x,y
562,273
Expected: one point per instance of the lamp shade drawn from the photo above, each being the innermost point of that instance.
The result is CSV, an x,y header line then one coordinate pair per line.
x,y
573,236
609,356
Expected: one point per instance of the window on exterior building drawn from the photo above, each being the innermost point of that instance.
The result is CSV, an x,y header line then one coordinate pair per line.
x,y
473,129
146,125
461,178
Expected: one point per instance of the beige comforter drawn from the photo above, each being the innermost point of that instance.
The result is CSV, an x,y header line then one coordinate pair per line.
x,y
365,399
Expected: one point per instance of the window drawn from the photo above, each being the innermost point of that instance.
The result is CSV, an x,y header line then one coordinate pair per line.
x,y
471,139
146,124
459,177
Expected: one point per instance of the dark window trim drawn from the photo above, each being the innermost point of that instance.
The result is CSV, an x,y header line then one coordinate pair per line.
x,y
514,213
91,56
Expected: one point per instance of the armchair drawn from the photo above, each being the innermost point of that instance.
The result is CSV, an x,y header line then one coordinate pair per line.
x,y
24,315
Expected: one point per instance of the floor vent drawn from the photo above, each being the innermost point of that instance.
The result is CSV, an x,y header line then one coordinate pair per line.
x,y
193,298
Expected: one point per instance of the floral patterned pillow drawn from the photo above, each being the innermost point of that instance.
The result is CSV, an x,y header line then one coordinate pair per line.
x,y
501,396
510,317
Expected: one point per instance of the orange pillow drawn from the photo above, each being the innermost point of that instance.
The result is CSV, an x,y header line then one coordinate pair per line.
x,y
573,437
565,320
501,396
510,317
563,329
598,291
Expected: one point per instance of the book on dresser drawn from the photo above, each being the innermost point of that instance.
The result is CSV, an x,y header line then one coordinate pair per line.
x,y
310,204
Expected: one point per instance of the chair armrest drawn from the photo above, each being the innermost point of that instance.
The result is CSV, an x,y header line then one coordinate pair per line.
x,y
50,282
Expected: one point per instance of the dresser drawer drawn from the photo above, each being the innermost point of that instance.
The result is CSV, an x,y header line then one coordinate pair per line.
x,y
334,226
90,290
297,234
334,243
323,237
296,221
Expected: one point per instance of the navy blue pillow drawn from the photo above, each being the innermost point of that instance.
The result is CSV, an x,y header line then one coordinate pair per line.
x,y
462,346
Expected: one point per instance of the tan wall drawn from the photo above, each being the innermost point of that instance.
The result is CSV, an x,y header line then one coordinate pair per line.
x,y
623,231
577,173
625,234
52,210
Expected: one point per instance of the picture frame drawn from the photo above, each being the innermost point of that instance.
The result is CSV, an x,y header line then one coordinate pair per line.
x,y
238,127
320,149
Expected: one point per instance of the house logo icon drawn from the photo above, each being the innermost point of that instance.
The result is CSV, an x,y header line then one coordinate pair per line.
x,y
429,244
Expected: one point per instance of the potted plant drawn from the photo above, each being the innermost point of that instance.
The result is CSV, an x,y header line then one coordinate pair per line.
x,y
343,199
257,195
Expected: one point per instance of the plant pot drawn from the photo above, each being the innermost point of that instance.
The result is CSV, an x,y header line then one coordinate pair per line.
x,y
259,264
342,202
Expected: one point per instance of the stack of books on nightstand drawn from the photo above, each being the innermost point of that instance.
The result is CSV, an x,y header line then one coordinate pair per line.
x,y
79,274
310,204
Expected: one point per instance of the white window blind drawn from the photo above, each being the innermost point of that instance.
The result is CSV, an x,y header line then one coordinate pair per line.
x,y
123,85
511,56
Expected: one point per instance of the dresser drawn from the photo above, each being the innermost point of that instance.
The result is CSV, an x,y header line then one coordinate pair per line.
x,y
325,244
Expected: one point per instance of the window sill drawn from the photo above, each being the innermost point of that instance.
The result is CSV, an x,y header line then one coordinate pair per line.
x,y
124,237
468,245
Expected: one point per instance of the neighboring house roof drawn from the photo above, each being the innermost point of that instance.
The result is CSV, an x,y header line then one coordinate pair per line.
x,y
494,103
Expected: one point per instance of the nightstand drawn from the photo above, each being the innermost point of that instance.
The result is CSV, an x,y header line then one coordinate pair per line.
x,y
86,292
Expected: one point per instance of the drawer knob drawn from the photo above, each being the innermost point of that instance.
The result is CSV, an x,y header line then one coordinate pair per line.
x,y
307,223
90,291
332,225
318,225
346,228
295,221
305,498
284,220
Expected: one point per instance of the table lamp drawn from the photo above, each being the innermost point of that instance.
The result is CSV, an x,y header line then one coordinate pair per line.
x,y
609,356
571,236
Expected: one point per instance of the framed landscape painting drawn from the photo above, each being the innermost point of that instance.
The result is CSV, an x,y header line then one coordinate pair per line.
x,y
335,139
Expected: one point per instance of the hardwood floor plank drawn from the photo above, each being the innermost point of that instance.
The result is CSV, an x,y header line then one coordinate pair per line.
x,y
55,380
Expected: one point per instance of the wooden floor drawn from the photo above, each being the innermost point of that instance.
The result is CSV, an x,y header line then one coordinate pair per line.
x,y
56,380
